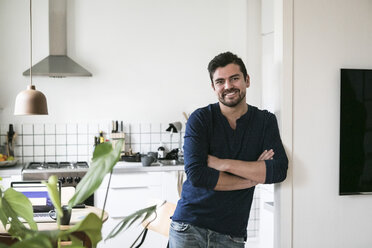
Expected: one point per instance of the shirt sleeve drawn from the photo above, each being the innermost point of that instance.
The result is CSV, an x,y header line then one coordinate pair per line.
x,y
276,169
196,152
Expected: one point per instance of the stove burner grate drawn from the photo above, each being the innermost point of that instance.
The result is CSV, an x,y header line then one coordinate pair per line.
x,y
57,165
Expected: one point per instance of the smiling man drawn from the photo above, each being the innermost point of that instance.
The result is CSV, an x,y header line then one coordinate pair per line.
x,y
229,148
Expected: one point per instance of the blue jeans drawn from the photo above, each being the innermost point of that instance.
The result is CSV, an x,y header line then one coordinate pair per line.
x,y
182,235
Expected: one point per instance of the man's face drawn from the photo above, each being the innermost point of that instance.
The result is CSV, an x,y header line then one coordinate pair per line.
x,y
229,85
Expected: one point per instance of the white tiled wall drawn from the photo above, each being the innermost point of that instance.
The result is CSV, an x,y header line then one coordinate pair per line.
x,y
75,141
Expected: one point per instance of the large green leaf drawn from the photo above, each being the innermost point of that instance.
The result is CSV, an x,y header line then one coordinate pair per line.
x,y
15,204
130,219
104,159
38,241
3,217
54,194
91,225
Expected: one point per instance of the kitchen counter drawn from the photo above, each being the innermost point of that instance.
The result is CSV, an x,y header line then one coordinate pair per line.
x,y
11,171
121,167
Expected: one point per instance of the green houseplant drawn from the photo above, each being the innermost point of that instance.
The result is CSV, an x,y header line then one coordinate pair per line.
x,y
14,205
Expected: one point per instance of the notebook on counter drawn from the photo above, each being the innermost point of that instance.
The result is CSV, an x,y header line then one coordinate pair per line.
x,y
38,195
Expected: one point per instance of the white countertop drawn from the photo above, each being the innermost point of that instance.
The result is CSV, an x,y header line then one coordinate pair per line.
x,y
122,166
11,171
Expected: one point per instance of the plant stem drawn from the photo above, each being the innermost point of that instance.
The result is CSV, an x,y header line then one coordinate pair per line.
x,y
107,190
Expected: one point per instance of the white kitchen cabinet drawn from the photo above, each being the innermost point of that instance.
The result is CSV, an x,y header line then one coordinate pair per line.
x,y
6,180
129,192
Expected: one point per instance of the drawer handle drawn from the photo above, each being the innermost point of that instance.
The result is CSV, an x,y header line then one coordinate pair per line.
x,y
129,187
117,217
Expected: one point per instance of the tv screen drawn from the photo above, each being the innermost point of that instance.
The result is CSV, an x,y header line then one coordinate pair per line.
x,y
356,132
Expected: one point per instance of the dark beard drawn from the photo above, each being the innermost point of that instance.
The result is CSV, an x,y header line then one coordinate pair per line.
x,y
231,104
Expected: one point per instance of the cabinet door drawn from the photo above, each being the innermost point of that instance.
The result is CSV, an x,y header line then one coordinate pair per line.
x,y
5,182
127,194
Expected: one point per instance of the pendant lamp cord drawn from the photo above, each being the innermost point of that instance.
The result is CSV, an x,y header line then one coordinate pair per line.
x,y
31,41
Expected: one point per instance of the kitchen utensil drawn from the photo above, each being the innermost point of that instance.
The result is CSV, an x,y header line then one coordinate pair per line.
x,y
174,127
147,160
168,162
185,115
131,158
10,140
153,154
161,152
172,155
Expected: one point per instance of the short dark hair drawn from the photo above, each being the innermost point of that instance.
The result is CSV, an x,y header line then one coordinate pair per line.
x,y
222,60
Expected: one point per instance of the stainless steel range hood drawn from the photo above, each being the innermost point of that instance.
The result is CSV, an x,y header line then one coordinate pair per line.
x,y
58,64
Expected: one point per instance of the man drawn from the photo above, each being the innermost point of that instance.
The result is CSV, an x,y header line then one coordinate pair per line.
x,y
229,148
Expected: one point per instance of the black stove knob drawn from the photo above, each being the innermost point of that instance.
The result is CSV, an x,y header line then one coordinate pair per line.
x,y
77,179
69,179
62,179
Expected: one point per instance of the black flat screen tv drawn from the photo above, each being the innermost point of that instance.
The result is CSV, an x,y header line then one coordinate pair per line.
x,y
356,132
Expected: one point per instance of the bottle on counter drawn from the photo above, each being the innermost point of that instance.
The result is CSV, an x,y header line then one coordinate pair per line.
x,y
101,138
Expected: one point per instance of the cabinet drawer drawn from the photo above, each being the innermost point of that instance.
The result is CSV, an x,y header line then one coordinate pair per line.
x,y
124,201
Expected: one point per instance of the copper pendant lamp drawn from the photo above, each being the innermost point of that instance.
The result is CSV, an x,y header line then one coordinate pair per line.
x,y
31,101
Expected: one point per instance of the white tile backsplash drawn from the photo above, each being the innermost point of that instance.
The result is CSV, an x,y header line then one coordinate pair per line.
x,y
135,138
39,139
28,151
61,139
61,129
72,150
27,129
146,128
155,138
82,139
156,128
72,139
82,150
135,128
59,142
50,150
38,159
93,129
165,137
28,140
72,158
50,128
3,129
18,152
106,128
39,151
50,139
82,129
146,138
72,128
38,128
61,150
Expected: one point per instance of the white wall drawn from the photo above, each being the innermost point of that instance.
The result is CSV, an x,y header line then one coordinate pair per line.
x,y
148,58
328,35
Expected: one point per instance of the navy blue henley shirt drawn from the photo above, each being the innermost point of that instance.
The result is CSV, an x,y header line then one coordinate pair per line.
x,y
208,132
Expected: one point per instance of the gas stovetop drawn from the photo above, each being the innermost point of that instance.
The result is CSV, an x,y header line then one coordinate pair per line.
x,y
69,173
56,165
